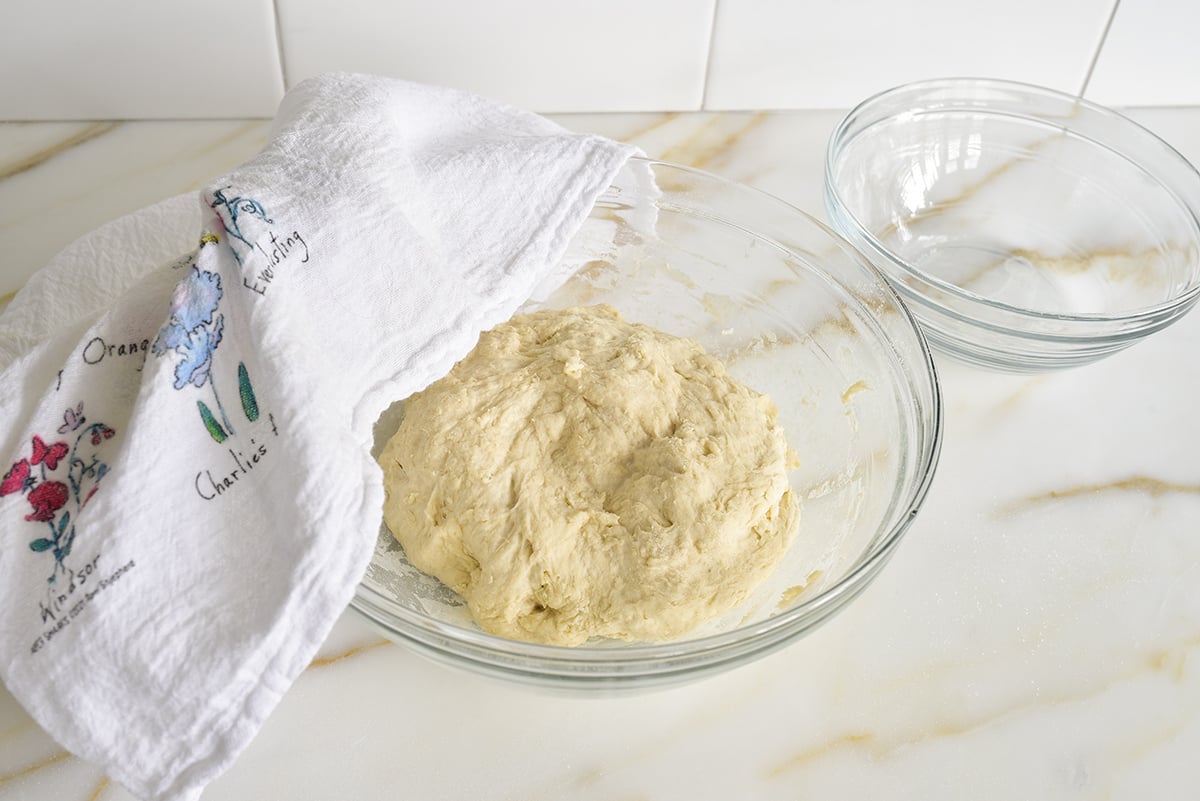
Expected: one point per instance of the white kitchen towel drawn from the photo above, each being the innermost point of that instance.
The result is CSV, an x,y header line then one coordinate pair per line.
x,y
187,498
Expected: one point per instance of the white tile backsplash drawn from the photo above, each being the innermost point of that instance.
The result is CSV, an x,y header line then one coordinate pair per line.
x,y
130,59
1151,57
125,59
546,55
809,54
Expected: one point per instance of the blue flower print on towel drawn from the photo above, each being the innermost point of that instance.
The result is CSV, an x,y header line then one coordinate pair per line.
x,y
194,331
197,348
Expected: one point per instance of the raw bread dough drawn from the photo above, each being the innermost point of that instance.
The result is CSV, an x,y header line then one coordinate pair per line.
x,y
580,476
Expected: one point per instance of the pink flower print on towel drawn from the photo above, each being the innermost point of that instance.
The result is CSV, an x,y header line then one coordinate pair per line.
x,y
72,419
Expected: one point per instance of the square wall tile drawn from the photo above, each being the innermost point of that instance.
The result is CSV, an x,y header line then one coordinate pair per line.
x,y
1151,57
548,56
125,59
809,54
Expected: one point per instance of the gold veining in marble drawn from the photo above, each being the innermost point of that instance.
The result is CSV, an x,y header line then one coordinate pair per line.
x,y
844,322
355,651
845,741
879,750
1168,732
1145,485
968,192
1022,392
942,206
45,763
22,725
638,133
101,786
85,134
709,142
1120,265
210,146
1171,661
589,284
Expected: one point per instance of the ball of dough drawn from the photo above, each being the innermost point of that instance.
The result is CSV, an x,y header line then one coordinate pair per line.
x,y
579,476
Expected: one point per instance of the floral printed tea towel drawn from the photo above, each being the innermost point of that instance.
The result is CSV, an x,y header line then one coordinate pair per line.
x,y
187,499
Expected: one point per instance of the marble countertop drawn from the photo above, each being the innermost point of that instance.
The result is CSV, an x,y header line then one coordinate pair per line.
x,y
1036,636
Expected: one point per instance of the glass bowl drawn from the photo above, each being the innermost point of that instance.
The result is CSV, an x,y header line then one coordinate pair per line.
x,y
794,312
1026,229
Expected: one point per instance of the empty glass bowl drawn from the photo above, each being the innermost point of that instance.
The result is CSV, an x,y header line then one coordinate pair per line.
x,y
794,312
1026,229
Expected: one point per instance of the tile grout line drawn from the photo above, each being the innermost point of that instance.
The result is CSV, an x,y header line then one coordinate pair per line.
x,y
279,45
708,57
1087,77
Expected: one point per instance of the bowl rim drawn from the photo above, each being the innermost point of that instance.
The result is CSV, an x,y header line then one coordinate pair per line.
x,y
836,144
656,658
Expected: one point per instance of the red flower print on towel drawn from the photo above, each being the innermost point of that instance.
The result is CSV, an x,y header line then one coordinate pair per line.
x,y
103,431
55,476
16,479
47,498
48,455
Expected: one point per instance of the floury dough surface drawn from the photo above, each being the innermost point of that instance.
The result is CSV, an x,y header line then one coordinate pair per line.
x,y
580,476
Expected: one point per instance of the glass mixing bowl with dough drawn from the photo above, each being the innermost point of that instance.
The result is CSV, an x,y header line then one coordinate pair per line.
x,y
793,312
